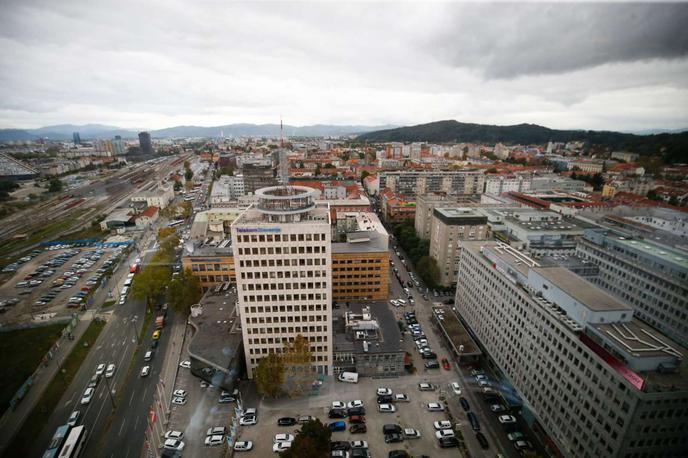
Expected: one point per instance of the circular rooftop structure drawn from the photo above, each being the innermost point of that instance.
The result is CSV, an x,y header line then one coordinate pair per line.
x,y
285,200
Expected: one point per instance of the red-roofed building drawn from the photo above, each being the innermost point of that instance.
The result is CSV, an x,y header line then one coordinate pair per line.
x,y
146,217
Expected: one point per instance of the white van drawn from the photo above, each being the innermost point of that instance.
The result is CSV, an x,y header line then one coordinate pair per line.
x,y
348,377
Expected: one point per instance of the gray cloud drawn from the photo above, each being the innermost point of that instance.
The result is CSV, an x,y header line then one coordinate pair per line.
x,y
164,62
511,40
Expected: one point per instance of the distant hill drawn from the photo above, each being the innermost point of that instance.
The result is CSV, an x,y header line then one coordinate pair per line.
x,y
673,146
92,131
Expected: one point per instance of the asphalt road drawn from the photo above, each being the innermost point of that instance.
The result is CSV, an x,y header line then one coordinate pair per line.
x,y
490,427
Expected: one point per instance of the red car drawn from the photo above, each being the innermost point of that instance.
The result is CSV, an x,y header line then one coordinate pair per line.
x,y
357,419
445,363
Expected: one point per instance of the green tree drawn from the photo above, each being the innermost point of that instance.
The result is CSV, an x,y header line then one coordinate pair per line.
x,y
429,271
298,371
183,291
6,187
55,185
269,375
317,170
188,174
311,441
177,186
652,194
361,155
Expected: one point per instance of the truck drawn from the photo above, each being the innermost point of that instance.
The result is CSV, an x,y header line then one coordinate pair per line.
x,y
160,322
348,377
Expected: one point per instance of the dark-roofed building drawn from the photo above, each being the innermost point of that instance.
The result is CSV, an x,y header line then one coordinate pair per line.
x,y
367,340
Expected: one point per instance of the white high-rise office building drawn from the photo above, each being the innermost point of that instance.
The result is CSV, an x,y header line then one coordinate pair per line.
x,y
594,380
283,262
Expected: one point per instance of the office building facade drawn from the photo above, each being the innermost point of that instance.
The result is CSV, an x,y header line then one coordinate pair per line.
x,y
145,144
412,183
283,264
594,381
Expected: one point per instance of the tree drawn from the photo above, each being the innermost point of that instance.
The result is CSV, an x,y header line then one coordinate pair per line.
x,y
317,170
55,185
188,175
296,357
184,291
652,194
311,441
429,271
361,155
6,187
177,186
269,375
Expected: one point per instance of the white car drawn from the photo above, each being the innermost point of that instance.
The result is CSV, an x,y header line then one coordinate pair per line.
x,y
88,395
384,392
174,444
444,433
411,433
401,397
507,419
443,424
216,431
145,370
356,403
73,418
212,441
248,420
179,401
338,405
484,383
185,364
110,371
178,435
100,369
243,446
283,437
179,393
456,388
426,387
394,303
281,446
386,408
122,300
435,406
359,444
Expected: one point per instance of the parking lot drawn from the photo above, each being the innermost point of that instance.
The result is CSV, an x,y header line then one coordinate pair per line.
x,y
54,280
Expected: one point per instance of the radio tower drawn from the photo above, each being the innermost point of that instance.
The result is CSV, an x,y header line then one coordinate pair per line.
x,y
283,163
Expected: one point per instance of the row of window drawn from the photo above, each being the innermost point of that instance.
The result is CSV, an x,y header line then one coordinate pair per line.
x,y
283,262
286,308
282,250
280,286
283,274
282,329
269,238
285,297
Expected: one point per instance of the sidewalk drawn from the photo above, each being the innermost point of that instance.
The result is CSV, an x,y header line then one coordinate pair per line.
x,y
12,420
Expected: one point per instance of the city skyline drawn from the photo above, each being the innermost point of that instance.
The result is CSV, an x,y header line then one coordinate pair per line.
x,y
582,66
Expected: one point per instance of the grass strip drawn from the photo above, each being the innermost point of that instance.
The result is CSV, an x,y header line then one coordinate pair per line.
x,y
41,413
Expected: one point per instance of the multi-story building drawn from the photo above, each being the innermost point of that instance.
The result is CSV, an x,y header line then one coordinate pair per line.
x,y
497,184
212,265
411,183
118,146
555,182
542,232
593,380
650,276
160,197
283,263
145,143
449,228
226,190
625,156
426,204
76,138
360,258
258,174
367,340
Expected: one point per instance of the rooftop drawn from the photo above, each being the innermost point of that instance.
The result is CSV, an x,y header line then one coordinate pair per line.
x,y
580,289
456,216
387,338
217,339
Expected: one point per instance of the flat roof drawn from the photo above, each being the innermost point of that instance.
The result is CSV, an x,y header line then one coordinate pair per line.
x,y
459,216
664,252
583,291
389,341
370,241
456,331
217,339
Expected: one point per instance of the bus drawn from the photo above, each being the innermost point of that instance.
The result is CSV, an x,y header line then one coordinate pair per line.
x,y
176,223
57,441
74,444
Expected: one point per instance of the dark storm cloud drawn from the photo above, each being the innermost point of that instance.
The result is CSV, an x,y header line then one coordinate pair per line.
x,y
510,40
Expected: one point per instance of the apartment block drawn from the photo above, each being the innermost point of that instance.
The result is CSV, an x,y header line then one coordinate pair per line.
x,y
283,263
449,227
650,276
593,380
497,184
426,204
411,183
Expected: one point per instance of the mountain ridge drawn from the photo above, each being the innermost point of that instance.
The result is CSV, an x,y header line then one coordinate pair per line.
x,y
673,146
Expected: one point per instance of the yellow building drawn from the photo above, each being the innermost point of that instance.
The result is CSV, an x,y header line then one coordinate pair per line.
x,y
211,268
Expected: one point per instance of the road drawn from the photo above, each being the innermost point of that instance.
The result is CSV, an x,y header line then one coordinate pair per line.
x,y
490,427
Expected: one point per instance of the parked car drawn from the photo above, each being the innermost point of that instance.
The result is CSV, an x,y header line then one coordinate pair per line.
x,y
283,437
401,397
358,428
448,442
286,421
174,435
384,391
507,419
243,446
456,388
393,438
426,387
386,408
464,404
145,370
482,440
337,413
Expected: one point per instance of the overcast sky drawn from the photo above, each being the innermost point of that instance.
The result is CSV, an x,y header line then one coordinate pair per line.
x,y
157,64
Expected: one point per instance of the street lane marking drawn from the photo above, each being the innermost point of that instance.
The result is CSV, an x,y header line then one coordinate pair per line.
x,y
121,427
